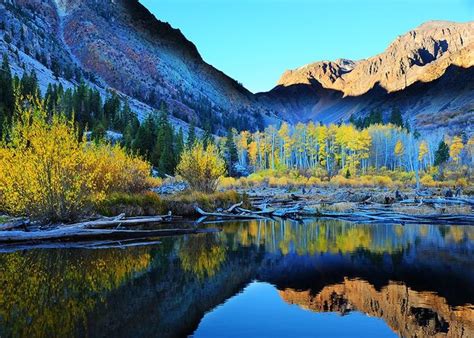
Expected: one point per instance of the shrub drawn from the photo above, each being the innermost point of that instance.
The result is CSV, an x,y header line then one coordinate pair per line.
x,y
48,172
313,181
462,182
201,167
427,181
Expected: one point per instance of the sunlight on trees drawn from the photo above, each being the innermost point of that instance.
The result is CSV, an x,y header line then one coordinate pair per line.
x,y
50,172
201,167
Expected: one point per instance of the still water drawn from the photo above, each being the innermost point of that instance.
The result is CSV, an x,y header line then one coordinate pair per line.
x,y
253,279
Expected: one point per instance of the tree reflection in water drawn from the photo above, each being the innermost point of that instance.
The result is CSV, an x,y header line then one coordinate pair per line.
x,y
323,265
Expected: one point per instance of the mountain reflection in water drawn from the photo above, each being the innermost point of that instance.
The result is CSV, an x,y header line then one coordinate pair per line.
x,y
417,279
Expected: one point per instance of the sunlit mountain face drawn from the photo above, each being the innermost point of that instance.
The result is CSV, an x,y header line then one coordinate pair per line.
x,y
320,275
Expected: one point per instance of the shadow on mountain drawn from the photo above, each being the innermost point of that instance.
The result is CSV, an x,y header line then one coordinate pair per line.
x,y
449,97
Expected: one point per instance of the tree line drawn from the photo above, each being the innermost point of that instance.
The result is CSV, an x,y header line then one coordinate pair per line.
x,y
332,150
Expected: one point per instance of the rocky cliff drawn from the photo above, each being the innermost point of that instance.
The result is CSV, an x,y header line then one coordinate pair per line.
x,y
427,72
120,45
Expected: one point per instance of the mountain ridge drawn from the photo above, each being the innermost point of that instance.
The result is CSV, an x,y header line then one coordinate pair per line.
x,y
434,52
119,45
441,42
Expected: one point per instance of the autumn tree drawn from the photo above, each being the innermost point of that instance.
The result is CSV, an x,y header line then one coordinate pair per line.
x,y
201,167
399,150
456,148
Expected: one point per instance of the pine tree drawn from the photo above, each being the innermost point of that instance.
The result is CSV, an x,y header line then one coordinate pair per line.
x,y
207,138
191,136
145,139
441,154
396,117
7,99
179,144
163,156
231,154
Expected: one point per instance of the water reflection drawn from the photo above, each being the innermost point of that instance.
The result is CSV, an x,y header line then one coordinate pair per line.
x,y
418,279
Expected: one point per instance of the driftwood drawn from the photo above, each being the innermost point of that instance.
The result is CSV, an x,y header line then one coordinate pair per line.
x,y
117,221
233,207
15,224
228,215
83,234
363,211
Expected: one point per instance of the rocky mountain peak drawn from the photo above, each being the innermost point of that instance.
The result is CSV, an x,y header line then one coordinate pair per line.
x,y
421,55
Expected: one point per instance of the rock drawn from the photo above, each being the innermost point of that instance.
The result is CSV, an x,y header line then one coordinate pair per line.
x,y
173,187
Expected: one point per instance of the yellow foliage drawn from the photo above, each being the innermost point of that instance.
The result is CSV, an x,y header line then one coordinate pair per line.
x,y
456,148
312,181
462,182
201,168
48,172
227,182
399,149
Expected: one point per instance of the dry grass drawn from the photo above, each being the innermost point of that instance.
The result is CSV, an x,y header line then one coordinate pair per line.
x,y
337,207
182,204
428,210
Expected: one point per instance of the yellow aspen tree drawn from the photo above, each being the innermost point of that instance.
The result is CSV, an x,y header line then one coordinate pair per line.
x,y
311,145
322,132
252,150
399,150
455,148
470,148
286,142
422,152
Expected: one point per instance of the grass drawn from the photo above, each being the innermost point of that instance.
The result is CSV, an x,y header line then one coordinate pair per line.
x,y
4,218
181,204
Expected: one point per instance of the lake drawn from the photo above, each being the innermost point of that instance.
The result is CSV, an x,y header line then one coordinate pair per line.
x,y
317,278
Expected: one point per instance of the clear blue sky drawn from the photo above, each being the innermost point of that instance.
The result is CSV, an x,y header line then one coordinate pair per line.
x,y
255,41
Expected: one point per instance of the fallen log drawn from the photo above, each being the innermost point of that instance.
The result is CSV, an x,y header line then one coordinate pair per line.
x,y
78,233
15,224
267,212
233,207
286,212
228,216
116,221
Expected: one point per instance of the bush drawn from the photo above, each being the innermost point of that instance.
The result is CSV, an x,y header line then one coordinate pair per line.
x,y
427,181
50,173
201,168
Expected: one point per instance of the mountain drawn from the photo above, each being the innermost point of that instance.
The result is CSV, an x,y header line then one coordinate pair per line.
x,y
119,45
426,73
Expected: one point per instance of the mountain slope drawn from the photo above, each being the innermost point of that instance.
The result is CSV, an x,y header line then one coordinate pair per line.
x,y
120,45
424,72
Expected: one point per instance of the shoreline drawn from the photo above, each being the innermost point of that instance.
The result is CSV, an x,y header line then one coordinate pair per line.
x,y
358,205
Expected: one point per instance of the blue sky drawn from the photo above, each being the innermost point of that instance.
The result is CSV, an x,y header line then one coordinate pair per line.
x,y
255,41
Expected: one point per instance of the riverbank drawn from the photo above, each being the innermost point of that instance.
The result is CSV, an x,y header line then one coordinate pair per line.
x,y
138,219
